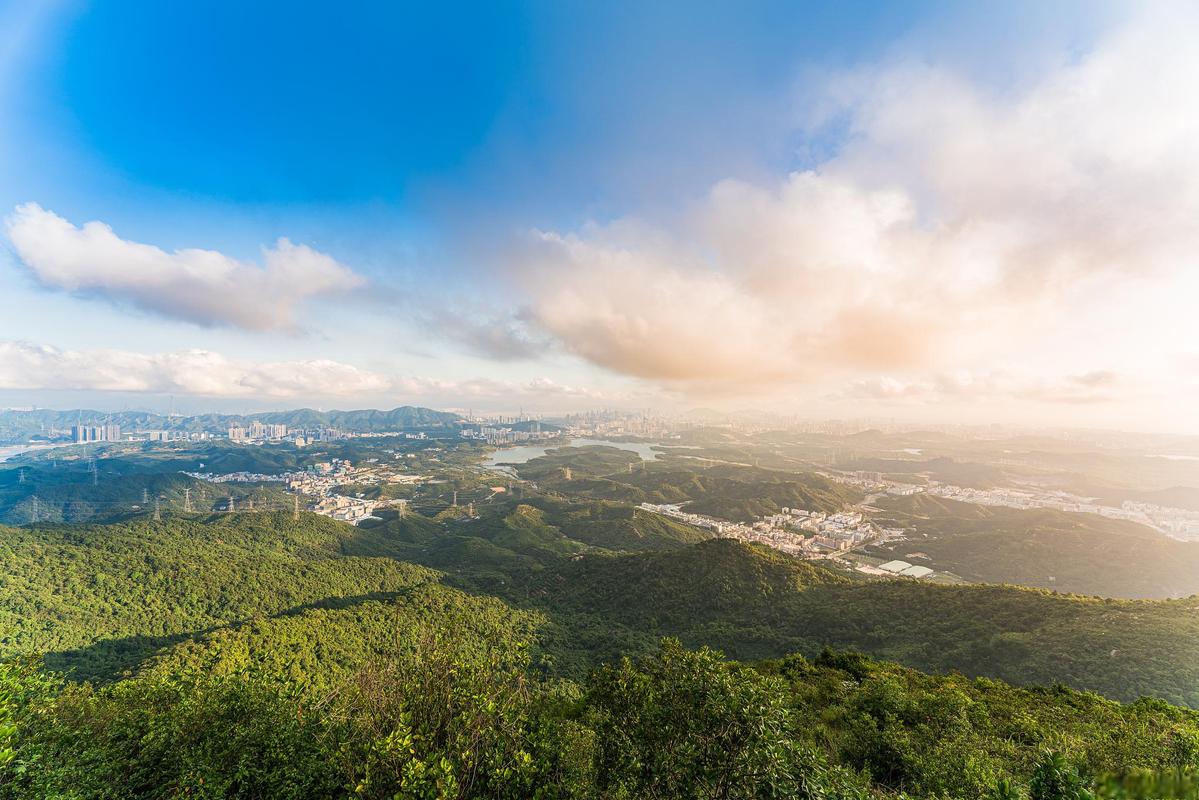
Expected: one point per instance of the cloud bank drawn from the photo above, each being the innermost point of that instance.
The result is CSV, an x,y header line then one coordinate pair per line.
x,y
959,227
201,286
203,373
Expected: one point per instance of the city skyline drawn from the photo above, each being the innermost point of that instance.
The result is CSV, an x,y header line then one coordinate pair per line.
x,y
932,212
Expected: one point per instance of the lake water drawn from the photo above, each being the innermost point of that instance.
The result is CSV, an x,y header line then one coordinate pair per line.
x,y
12,451
527,452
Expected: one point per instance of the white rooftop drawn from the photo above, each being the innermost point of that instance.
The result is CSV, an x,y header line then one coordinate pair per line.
x,y
916,572
895,566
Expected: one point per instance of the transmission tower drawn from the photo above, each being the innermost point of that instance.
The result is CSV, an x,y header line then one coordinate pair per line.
x,y
187,499
230,509
455,504
295,507
145,495
403,508
21,475
34,511
157,511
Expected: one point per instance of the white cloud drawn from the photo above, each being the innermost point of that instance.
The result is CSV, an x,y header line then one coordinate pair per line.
x,y
35,367
200,286
195,372
1030,228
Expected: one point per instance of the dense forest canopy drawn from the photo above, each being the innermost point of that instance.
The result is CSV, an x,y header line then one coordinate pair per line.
x,y
552,640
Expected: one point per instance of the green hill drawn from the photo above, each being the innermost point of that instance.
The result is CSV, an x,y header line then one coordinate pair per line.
x,y
755,603
274,658
730,491
1069,552
101,597
68,494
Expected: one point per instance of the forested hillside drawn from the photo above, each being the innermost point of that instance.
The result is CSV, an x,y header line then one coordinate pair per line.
x,y
252,655
755,603
731,491
1068,552
99,598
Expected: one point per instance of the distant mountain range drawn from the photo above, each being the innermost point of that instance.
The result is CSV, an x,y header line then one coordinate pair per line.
x,y
21,426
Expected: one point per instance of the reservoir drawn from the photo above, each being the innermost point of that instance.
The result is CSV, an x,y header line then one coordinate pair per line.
x,y
527,452
12,451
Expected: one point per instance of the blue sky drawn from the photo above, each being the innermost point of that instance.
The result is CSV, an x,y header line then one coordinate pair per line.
x,y
453,178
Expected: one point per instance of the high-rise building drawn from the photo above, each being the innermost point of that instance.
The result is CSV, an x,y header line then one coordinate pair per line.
x,y
95,433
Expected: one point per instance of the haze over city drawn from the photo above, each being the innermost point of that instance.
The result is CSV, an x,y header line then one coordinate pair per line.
x,y
932,212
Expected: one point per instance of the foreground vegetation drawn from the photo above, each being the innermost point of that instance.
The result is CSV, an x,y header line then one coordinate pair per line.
x,y
555,645
444,713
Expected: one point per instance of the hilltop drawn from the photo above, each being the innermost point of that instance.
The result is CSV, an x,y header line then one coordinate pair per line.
x,y
756,603
732,491
1044,547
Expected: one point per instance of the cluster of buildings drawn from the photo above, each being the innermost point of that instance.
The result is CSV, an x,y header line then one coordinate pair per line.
x,y
347,509
829,532
874,482
599,424
1179,523
322,479
169,436
796,531
257,432
500,434
321,482
236,477
81,434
